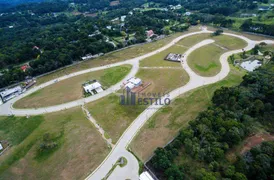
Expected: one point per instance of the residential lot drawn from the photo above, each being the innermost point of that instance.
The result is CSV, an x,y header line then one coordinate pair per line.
x,y
79,150
71,89
205,61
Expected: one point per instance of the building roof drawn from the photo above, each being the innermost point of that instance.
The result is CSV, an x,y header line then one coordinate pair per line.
x,y
1,147
10,91
135,81
145,176
92,86
24,68
130,85
150,33
251,65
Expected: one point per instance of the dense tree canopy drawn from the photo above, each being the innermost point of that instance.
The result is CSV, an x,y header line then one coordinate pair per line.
x,y
232,117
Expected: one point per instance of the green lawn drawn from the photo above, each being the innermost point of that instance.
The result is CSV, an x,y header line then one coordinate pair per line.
x,y
166,123
205,60
227,42
80,148
71,89
113,117
157,60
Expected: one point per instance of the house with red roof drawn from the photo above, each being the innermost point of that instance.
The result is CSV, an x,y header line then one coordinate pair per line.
x,y
24,67
150,33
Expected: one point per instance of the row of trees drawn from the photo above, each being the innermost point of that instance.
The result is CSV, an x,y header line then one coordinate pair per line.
x,y
251,26
235,114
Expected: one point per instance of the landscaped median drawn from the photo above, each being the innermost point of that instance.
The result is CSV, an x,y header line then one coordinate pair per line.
x,y
71,89
205,61
62,145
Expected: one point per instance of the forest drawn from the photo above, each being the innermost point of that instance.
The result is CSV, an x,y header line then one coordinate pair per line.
x,y
52,34
235,114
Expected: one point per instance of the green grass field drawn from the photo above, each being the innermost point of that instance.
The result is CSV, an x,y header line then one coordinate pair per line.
x,y
205,61
71,89
157,60
227,42
115,118
166,123
80,148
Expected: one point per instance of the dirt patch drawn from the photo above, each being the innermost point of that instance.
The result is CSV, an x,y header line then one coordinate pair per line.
x,y
255,140
114,3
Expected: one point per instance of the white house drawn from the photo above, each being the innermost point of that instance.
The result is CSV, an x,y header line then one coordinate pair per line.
x,y
145,176
133,82
1,147
123,18
93,87
251,65
10,93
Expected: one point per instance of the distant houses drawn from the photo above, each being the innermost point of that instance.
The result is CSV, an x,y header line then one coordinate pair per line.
x,y
90,56
264,8
24,67
150,33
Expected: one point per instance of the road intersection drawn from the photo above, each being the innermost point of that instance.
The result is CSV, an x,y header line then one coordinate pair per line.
x,y
130,171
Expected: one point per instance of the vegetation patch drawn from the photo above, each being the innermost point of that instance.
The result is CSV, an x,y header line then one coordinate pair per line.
x,y
65,145
205,61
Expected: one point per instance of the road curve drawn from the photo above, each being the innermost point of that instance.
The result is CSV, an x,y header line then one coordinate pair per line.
x,y
7,109
131,170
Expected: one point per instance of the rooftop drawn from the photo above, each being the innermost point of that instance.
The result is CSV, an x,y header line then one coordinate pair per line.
x,y
10,91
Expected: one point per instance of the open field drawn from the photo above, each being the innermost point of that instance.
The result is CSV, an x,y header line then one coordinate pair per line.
x,y
158,59
226,42
71,89
167,122
205,60
80,148
163,80
115,118
122,55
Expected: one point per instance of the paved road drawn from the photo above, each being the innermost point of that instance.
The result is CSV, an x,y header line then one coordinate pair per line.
x,y
7,109
130,171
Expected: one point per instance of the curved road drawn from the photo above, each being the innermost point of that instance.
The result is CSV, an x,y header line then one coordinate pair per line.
x,y
130,171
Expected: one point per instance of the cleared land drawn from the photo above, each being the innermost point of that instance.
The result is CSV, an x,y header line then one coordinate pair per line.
x,y
166,123
115,118
110,58
158,59
225,42
71,89
80,148
205,61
